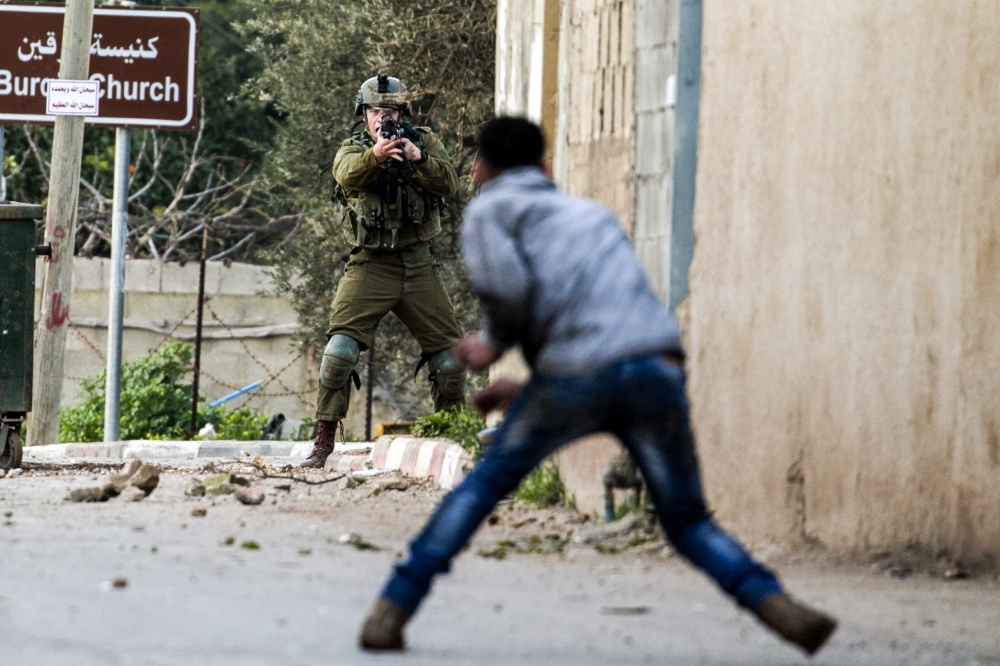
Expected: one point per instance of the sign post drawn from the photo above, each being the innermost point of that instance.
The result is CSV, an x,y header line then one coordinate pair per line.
x,y
142,73
116,305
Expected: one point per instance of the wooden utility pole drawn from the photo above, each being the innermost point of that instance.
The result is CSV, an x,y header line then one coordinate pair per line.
x,y
60,231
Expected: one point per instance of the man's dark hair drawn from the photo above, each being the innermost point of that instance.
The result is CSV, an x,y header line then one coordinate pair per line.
x,y
507,142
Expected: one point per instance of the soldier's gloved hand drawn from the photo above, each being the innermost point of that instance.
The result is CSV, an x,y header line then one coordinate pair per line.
x,y
386,148
411,151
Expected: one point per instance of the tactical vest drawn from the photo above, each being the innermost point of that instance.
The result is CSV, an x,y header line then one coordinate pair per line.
x,y
390,215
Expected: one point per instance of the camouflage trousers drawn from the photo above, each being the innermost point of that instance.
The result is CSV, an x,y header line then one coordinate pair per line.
x,y
408,284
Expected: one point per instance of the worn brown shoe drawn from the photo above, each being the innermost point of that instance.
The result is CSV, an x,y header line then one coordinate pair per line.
x,y
326,435
795,622
383,628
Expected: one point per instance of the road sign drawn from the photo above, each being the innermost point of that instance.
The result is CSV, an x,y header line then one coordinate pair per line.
x,y
73,98
145,60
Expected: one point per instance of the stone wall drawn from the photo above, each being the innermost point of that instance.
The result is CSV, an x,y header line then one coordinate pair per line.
x,y
596,102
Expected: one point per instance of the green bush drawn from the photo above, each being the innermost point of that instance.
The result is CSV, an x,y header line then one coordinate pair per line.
x,y
155,404
459,424
542,487
242,423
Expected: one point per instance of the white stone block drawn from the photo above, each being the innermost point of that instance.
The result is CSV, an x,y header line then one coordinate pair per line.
x,y
653,68
243,279
655,22
142,275
179,279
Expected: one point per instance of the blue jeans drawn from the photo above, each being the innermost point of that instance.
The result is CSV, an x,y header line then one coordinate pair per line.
x,y
641,401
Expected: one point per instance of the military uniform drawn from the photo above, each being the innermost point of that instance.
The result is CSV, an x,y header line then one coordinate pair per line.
x,y
391,217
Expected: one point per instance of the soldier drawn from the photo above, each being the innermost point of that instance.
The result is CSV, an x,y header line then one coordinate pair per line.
x,y
392,179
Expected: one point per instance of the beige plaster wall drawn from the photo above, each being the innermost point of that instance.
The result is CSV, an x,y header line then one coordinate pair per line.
x,y
160,299
845,291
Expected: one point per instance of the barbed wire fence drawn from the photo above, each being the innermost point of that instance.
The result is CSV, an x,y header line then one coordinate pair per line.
x,y
256,395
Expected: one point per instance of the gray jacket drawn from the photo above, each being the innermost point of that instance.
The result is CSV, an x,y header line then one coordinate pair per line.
x,y
557,275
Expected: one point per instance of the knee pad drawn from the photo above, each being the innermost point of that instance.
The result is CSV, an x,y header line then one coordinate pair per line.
x,y
339,358
448,374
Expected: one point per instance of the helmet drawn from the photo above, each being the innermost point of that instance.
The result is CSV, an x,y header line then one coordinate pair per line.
x,y
381,89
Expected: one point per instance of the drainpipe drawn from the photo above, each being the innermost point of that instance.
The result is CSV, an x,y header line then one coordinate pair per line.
x,y
685,148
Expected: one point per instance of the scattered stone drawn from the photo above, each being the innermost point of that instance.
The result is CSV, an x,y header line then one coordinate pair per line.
x,y
8,514
199,512
88,495
625,610
135,481
194,488
218,485
118,482
597,534
250,545
955,573
14,473
119,583
287,487
521,523
208,468
392,482
358,542
133,494
3,473
239,481
146,479
228,541
348,483
248,497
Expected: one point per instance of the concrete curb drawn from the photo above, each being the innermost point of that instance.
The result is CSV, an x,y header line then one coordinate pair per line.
x,y
153,449
440,459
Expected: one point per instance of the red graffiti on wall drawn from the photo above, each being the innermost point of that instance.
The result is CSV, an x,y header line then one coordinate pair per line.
x,y
57,313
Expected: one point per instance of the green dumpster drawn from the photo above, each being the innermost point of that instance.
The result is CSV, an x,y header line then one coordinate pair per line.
x,y
17,308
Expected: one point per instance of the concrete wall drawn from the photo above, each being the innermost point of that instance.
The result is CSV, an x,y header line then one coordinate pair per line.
x,y
845,291
160,299
655,88
596,104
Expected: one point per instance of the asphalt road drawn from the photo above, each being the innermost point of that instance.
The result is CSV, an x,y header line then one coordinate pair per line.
x,y
300,597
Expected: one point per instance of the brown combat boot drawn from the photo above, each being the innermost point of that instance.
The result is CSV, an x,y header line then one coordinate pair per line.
x,y
326,435
383,628
796,622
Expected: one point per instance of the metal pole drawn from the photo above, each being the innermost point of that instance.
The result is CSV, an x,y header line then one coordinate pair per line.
x,y
116,306
371,389
3,179
197,332
685,148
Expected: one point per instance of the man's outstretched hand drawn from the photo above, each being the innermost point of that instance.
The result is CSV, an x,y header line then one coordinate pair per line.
x,y
475,354
496,396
